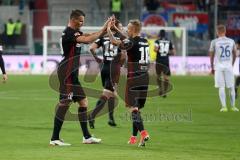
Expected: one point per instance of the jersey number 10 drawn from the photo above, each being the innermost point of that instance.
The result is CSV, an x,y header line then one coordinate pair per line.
x,y
144,55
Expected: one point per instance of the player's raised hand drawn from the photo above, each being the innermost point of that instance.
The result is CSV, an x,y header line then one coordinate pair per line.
x,y
113,17
109,25
106,24
4,79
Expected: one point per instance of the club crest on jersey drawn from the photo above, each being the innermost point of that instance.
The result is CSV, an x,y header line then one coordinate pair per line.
x,y
70,96
78,45
77,34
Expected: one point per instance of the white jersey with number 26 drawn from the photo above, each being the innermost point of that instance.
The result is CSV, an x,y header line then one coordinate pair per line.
x,y
223,49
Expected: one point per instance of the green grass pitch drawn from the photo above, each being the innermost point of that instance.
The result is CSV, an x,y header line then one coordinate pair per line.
x,y
187,125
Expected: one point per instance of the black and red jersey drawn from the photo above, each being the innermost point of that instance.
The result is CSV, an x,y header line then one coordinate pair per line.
x,y
69,44
138,56
71,49
164,47
110,51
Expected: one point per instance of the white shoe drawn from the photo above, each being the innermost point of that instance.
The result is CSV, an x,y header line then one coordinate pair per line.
x,y
59,143
234,109
91,140
223,109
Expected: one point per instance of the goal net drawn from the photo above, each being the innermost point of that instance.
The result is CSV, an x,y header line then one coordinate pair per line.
x,y
178,36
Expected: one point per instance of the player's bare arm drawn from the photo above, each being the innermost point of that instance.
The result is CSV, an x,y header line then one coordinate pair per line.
x,y
4,78
211,54
172,52
123,36
113,40
156,48
89,38
93,48
87,34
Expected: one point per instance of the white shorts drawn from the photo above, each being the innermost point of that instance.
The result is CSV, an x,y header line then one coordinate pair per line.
x,y
224,78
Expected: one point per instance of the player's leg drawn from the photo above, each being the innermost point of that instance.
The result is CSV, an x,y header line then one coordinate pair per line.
x,y
61,108
102,99
220,84
107,94
135,98
165,85
141,103
82,115
229,78
111,106
137,125
114,78
222,96
79,96
166,75
129,102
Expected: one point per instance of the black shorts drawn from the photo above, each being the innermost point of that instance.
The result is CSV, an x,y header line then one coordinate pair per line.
x,y
70,87
110,76
136,90
163,67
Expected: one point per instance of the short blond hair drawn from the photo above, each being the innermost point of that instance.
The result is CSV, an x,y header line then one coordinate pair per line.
x,y
221,29
137,25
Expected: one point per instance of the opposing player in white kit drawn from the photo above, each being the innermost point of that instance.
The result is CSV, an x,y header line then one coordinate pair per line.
x,y
222,56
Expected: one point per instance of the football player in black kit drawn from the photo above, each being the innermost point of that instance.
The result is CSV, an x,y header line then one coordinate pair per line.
x,y
137,76
164,48
110,72
4,78
70,88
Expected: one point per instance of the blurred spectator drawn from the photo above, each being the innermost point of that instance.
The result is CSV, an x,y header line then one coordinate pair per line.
x,y
201,5
152,5
31,5
116,7
9,32
21,5
222,2
7,2
18,30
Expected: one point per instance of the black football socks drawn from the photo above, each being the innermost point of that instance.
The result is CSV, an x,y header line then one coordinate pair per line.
x,y
137,121
99,106
82,116
58,120
111,103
